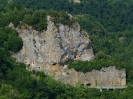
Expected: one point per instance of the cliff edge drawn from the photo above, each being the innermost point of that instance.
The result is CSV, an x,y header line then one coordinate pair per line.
x,y
51,50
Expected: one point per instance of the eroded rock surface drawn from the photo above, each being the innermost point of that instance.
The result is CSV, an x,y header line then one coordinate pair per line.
x,y
107,76
50,51
57,45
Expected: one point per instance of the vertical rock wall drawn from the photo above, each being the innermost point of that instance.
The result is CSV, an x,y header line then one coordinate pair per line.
x,y
50,51
57,45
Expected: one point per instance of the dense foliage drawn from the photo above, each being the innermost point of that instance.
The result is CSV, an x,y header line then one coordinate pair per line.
x,y
21,16
61,17
86,66
115,15
109,24
18,83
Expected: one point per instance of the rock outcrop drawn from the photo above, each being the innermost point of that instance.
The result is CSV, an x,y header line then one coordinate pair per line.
x,y
50,51
57,45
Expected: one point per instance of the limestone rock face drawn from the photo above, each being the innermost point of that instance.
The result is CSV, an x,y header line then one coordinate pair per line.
x,y
50,51
57,45
107,76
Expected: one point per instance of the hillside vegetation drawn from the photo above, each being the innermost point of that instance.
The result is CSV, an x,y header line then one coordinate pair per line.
x,y
115,15
108,22
21,16
109,25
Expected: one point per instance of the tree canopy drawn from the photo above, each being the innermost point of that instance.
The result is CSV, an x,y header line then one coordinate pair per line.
x,y
109,25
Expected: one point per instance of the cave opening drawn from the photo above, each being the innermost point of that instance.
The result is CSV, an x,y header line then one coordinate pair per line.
x,y
88,84
54,63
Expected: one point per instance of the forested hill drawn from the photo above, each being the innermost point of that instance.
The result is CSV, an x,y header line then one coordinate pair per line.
x,y
109,24
115,15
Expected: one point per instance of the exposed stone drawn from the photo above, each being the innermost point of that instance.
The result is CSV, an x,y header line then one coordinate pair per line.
x,y
11,25
107,76
57,45
50,51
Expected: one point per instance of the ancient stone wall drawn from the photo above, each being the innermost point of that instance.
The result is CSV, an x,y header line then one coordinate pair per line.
x,y
107,76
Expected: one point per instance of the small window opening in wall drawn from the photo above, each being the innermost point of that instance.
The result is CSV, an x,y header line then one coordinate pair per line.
x,y
28,64
54,63
103,70
88,84
25,62
32,63
39,67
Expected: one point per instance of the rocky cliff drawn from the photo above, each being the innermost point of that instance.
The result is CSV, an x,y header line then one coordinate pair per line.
x,y
57,45
50,51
